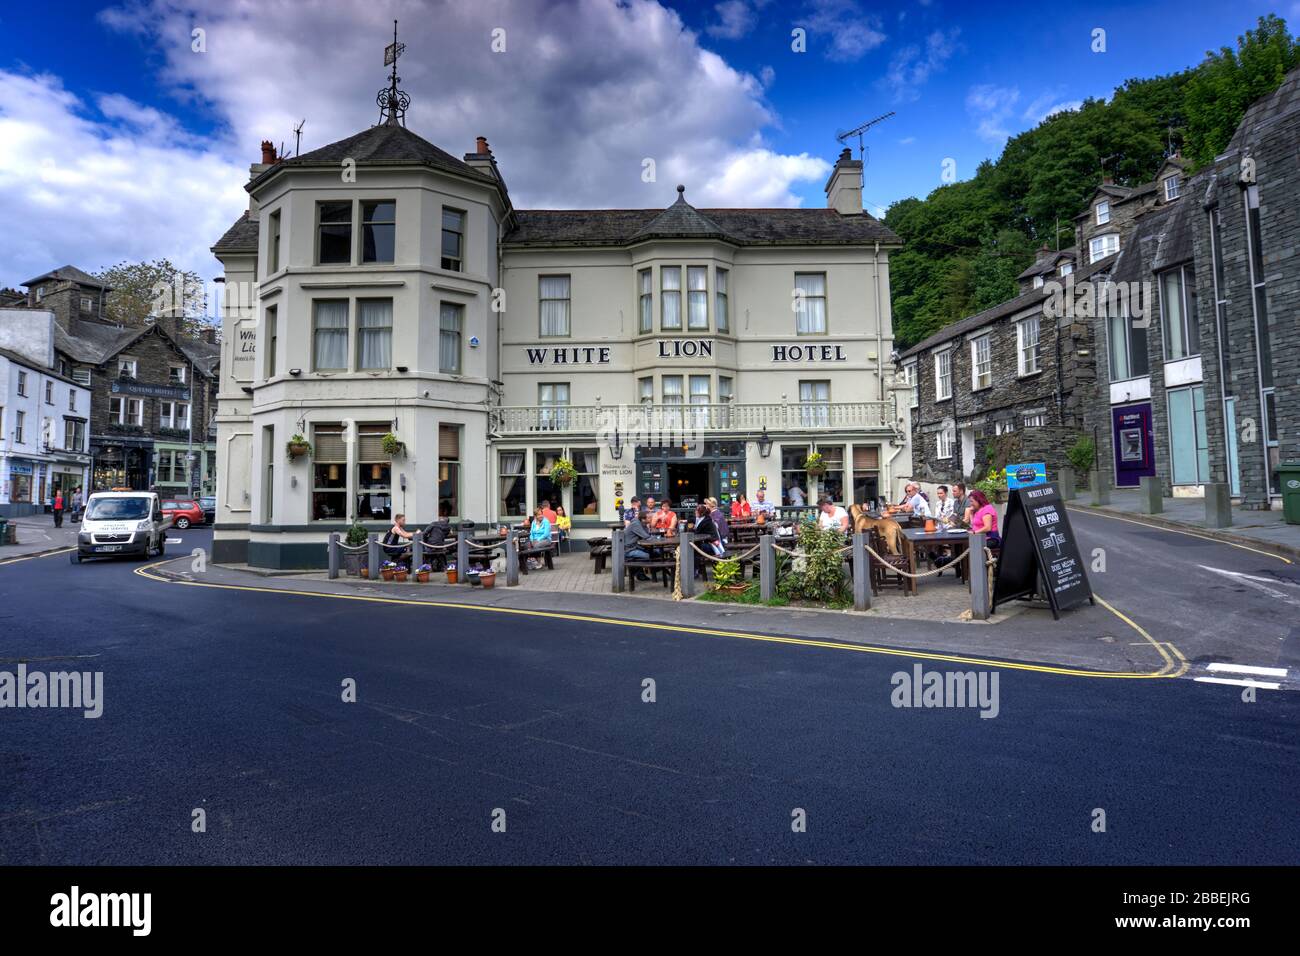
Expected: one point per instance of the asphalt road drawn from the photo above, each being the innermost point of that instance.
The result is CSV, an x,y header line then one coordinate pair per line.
x,y
230,702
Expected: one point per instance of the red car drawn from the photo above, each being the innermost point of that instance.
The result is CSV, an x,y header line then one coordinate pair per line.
x,y
183,512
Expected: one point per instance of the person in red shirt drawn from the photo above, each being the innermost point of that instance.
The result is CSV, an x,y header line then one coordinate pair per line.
x,y
548,513
740,508
58,508
666,520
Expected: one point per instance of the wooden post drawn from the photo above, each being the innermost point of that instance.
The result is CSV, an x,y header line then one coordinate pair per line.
x,y
373,556
616,548
462,557
686,565
861,573
979,578
766,568
512,559
334,555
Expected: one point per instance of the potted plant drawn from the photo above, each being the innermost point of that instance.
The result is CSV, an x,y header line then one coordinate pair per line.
x,y
727,576
400,573
451,573
562,472
994,486
393,446
297,446
488,577
815,464
354,562
422,573
387,570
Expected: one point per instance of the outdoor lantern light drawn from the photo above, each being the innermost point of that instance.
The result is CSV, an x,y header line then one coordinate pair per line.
x,y
334,472
764,443
616,445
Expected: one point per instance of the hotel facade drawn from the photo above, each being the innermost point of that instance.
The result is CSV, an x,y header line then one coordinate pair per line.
x,y
381,287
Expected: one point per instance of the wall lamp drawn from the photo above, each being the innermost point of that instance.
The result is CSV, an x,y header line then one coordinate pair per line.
x,y
616,445
764,443
295,371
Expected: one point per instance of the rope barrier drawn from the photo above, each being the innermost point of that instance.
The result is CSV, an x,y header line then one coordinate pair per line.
x,y
743,556
923,574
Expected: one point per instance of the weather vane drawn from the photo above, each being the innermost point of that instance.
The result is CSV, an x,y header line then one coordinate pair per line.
x,y
392,101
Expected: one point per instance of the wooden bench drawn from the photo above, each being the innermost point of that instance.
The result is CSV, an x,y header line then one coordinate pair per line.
x,y
601,551
667,565
546,552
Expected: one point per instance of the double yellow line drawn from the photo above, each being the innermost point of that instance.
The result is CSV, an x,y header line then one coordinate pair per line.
x,y
1175,665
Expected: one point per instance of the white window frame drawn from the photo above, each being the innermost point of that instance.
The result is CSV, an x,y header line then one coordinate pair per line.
x,y
1037,420
1103,212
1027,352
1067,268
943,443
173,378
128,365
1168,182
981,342
22,384
943,375
1099,247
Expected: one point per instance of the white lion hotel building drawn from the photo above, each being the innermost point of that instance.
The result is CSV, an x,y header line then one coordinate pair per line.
x,y
381,285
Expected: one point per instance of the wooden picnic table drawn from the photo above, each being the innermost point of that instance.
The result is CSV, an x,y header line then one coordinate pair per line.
x,y
917,542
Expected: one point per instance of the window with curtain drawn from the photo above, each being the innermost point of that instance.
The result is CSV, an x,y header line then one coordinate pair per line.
x,y
814,404
553,294
670,297
981,361
1178,314
330,335
273,244
646,390
329,467
697,297
720,304
793,475
374,487
513,491
1027,345
671,396
334,233
374,334
451,321
700,399
866,473
586,487
810,312
832,483
726,392
378,230
553,399
453,240
272,333
543,488
645,300
449,468
943,375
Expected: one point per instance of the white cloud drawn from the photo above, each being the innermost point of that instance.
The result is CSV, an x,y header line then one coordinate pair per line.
x,y
992,107
583,93
1047,105
907,141
767,76
91,185
852,31
735,19
911,67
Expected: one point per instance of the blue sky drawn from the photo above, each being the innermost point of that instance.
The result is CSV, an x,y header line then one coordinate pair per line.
x,y
106,107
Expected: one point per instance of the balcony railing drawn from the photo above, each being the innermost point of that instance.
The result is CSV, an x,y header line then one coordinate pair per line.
x,y
675,419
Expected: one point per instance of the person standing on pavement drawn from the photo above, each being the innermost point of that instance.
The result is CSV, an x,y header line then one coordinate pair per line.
x,y
58,508
77,503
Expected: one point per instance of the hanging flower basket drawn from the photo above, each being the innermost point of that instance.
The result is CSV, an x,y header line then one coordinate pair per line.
x,y
298,447
563,473
815,464
393,446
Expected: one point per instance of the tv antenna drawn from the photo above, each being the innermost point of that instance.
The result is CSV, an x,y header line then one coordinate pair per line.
x,y
297,136
845,135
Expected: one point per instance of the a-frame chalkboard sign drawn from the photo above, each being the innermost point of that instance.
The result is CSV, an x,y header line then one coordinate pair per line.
x,y
1040,552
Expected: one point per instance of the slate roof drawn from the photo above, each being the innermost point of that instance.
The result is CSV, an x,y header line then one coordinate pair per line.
x,y
973,322
69,274
746,227
1160,239
240,237
35,366
1282,102
1048,262
379,145
96,342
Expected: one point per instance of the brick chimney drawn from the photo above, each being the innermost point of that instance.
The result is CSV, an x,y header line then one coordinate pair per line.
x,y
844,188
268,153
1108,180
269,159
482,158
481,146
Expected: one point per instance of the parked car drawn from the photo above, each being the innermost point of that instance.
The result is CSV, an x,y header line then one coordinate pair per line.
x,y
209,506
121,523
182,512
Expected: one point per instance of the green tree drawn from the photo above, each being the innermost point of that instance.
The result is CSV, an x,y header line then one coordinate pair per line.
x,y
144,289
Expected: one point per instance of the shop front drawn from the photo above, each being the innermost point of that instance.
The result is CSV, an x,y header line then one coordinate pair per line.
x,y
687,474
123,466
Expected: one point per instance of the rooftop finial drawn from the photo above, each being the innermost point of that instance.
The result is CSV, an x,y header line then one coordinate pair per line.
x,y
392,101
681,191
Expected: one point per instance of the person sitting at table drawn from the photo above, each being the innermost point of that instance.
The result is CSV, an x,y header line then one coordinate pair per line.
x,y
633,535
795,496
740,508
651,508
706,537
630,513
395,541
438,532
665,519
914,502
942,504
984,518
539,536
763,506
548,512
831,516
563,523
719,520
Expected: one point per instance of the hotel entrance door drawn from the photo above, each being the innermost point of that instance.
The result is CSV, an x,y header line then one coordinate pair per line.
x,y
689,474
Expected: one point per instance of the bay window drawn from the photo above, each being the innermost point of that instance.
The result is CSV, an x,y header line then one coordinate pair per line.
x,y
451,319
374,334
330,335
720,304
374,488
697,297
329,468
670,297
645,300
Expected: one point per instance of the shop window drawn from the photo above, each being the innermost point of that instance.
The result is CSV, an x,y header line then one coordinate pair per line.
x,y
586,487
329,486
544,489
794,480
866,474
449,468
514,490
832,483
374,485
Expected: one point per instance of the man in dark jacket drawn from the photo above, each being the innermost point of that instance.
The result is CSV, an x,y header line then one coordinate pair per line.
x,y
438,533
633,535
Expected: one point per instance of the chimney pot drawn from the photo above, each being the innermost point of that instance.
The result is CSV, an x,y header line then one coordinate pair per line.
x,y
481,146
268,152
1108,180
846,155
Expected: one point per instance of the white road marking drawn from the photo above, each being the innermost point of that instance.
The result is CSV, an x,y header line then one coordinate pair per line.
x,y
1248,669
1260,584
1264,685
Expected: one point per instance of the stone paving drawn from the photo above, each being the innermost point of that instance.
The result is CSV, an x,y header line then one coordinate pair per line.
x,y
37,534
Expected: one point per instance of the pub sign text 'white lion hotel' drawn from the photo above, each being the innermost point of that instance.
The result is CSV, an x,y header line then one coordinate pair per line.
x,y
380,286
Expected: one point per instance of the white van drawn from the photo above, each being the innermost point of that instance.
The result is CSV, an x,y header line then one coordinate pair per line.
x,y
121,523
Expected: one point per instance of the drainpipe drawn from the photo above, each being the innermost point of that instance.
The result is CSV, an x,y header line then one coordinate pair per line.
x,y
880,334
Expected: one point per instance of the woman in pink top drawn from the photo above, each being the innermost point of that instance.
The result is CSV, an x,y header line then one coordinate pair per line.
x,y
984,517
